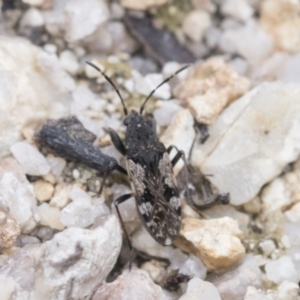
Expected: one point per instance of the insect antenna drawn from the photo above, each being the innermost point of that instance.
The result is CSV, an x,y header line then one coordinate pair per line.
x,y
112,84
165,81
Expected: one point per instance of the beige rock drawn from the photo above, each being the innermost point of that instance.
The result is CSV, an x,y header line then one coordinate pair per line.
x,y
43,190
214,241
253,206
181,134
210,88
195,24
142,4
50,216
61,196
280,19
155,269
9,230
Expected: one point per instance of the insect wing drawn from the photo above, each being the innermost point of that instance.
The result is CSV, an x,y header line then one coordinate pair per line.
x,y
157,198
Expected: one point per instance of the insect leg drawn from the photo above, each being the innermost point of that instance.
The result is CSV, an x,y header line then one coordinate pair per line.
x,y
118,201
210,199
180,154
203,132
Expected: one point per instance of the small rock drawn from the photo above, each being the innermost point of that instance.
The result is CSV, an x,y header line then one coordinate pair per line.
x,y
241,10
288,290
255,294
31,160
198,288
240,40
125,287
214,241
76,19
281,269
45,233
234,283
253,206
50,216
68,62
61,196
155,269
16,195
144,85
267,246
142,4
281,20
210,88
180,133
264,116
82,211
164,114
195,24
27,240
32,18
9,230
43,190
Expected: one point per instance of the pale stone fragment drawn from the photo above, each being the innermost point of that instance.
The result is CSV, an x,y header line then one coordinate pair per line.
x,y
198,288
238,9
50,216
30,158
134,285
214,241
16,195
252,141
210,88
195,24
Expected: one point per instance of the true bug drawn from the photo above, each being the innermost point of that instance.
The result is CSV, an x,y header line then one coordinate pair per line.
x,y
150,172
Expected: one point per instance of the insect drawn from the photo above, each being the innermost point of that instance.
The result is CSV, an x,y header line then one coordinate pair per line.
x,y
149,167
150,172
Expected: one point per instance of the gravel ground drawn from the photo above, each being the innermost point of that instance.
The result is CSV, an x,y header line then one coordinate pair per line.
x,y
60,237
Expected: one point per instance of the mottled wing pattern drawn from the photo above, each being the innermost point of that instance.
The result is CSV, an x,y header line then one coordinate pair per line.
x,y
157,199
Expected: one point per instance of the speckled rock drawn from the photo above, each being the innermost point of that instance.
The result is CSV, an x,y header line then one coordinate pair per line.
x,y
210,88
214,241
125,288
70,266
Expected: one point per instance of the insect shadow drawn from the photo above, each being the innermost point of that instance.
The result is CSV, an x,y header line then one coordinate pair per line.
x,y
149,167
